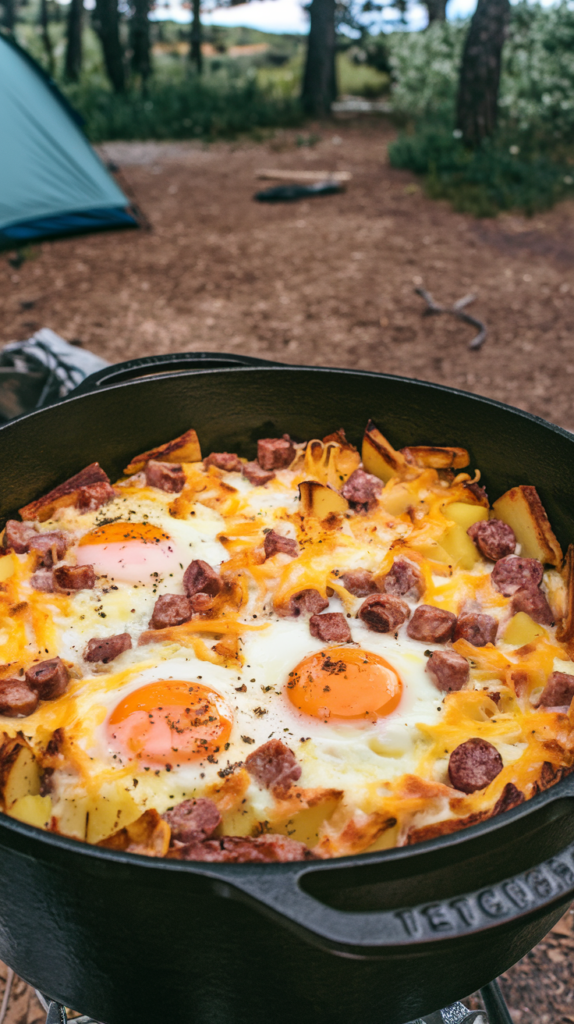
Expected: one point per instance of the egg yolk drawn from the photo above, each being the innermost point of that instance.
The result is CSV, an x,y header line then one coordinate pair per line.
x,y
117,533
170,721
344,682
128,552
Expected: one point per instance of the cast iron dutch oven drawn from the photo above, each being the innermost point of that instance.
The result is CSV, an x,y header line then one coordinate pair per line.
x,y
378,938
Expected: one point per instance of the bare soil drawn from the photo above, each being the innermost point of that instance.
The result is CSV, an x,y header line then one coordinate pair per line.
x,y
324,281
328,281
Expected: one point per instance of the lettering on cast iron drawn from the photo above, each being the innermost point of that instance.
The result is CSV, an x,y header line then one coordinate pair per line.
x,y
499,901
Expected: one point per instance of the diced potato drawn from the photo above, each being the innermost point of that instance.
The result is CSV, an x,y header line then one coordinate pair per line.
x,y
183,449
396,498
522,630
71,817
379,457
456,542
320,501
565,631
109,813
433,551
463,514
149,834
7,567
19,773
429,457
33,810
305,826
522,509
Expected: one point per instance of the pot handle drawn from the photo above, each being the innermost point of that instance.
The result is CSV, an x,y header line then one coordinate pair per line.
x,y
282,895
172,362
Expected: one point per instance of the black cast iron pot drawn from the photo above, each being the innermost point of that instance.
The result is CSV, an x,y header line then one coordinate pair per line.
x,y
373,939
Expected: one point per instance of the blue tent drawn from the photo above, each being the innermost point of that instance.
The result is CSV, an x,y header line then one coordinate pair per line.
x,y
51,181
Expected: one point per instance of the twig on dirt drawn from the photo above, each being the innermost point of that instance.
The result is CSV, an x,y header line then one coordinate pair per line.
x,y
457,310
7,991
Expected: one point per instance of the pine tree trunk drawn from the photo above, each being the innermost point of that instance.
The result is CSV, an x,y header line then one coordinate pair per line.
x,y
107,23
46,40
320,78
437,10
9,15
74,40
139,32
477,105
195,54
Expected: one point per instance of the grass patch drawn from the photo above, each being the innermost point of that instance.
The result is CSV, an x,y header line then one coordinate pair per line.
x,y
497,176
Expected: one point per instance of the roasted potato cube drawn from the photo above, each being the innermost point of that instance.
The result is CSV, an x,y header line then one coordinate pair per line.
x,y
19,773
522,630
110,812
71,816
87,489
565,631
33,810
463,514
320,501
396,498
183,449
522,509
428,457
462,550
148,834
379,457
7,567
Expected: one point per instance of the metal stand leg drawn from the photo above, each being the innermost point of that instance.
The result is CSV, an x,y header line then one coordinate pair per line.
x,y
494,1004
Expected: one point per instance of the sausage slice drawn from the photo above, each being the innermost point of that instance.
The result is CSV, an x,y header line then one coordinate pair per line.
x,y
448,670
105,649
275,452
193,820
532,601
17,698
431,625
275,543
362,490
166,476
404,580
559,690
493,538
48,678
511,574
473,765
383,613
359,582
274,766
332,626
200,578
477,628
74,577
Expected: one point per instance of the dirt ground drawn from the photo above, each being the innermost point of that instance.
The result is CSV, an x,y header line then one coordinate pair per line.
x,y
324,281
327,281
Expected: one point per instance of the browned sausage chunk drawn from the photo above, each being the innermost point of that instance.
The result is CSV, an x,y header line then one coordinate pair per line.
x,y
473,765
49,547
330,627
201,602
383,613
275,543
17,536
167,476
193,820
257,476
359,582
559,690
431,625
48,678
200,578
275,452
43,580
74,577
477,628
274,766
362,490
229,462
404,580
170,610
306,602
532,601
448,670
511,574
493,538
92,497
105,649
17,698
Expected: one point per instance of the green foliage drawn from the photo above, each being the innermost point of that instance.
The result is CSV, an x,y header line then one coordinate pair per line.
x,y
483,181
196,108
528,163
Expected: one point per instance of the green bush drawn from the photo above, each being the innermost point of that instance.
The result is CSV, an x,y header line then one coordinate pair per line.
x,y
483,181
188,108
